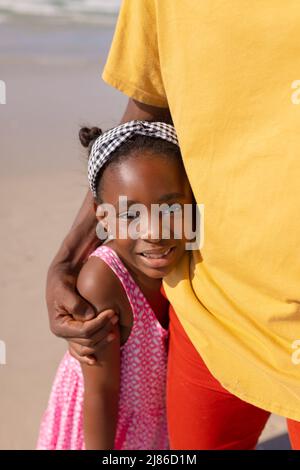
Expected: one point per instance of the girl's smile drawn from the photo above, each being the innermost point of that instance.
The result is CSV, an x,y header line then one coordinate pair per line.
x,y
158,257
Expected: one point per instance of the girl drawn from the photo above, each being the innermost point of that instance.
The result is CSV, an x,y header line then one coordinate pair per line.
x,y
120,402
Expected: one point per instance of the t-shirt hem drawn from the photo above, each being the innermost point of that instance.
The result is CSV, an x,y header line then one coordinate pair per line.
x,y
133,91
275,408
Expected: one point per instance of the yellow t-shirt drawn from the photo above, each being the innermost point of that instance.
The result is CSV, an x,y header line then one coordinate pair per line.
x,y
228,70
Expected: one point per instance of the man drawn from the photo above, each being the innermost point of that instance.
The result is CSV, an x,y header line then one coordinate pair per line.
x,y
226,71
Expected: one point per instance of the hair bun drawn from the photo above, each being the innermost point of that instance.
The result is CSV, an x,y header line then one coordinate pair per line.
x,y
87,135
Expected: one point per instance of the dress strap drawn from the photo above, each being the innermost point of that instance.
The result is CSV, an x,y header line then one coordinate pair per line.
x,y
137,300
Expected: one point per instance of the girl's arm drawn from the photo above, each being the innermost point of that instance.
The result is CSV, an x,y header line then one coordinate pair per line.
x,y
97,284
101,395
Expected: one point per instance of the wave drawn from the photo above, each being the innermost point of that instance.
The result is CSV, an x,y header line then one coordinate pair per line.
x,y
89,9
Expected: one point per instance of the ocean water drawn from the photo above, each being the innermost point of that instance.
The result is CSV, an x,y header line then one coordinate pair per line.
x,y
88,10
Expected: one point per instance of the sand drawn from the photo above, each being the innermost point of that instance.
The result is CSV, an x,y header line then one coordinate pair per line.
x,y
53,86
52,74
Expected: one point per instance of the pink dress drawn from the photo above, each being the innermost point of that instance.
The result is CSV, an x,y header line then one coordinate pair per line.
x,y
142,420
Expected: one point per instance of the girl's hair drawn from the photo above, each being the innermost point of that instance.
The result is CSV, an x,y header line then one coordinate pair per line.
x,y
130,147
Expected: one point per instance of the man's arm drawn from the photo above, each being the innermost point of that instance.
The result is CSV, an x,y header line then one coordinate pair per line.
x,y
70,316
145,112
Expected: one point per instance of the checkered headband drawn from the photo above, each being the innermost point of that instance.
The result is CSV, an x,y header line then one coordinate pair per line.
x,y
109,141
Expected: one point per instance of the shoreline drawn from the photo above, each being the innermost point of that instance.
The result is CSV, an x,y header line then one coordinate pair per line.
x,y
59,19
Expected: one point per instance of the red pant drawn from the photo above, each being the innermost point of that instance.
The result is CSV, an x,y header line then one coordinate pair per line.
x,y
201,413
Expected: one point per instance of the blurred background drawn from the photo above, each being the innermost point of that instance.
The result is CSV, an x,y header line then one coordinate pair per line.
x,y
52,53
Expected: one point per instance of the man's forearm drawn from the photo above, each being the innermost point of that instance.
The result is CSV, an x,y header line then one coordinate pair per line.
x,y
81,239
141,111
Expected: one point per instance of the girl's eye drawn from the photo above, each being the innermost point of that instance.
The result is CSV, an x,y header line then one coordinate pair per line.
x,y
129,215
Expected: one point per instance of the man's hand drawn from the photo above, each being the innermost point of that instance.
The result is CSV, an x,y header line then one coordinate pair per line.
x,y
84,349
72,318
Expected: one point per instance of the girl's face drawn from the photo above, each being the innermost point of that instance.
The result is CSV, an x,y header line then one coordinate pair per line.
x,y
148,179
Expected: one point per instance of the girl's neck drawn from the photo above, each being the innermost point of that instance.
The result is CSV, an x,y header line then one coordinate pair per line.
x,y
146,283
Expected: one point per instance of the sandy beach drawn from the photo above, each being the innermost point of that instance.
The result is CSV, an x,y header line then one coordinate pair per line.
x,y
53,78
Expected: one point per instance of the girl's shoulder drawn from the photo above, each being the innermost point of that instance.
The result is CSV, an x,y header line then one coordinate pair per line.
x,y
98,283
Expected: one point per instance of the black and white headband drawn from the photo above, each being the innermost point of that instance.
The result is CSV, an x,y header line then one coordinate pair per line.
x,y
110,140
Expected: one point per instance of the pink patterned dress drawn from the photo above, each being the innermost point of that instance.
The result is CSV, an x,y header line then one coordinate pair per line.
x,y
142,409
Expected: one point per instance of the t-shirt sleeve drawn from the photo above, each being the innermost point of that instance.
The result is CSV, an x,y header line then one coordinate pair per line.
x,y
133,65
